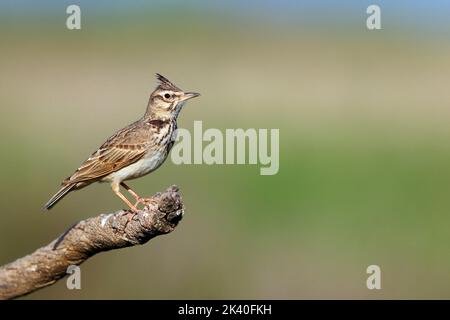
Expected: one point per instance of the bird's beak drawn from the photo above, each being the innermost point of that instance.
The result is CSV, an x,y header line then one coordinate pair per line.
x,y
190,95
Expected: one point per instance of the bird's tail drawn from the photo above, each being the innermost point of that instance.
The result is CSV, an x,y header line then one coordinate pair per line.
x,y
58,196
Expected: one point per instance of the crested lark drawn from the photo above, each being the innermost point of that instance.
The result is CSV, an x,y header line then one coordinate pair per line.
x,y
135,150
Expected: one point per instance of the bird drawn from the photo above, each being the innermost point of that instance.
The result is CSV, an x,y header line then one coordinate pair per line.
x,y
134,151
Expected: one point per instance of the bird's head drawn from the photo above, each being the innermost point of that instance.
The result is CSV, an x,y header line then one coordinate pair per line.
x,y
167,99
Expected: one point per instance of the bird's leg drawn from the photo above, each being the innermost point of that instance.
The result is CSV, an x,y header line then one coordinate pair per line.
x,y
130,191
139,199
116,190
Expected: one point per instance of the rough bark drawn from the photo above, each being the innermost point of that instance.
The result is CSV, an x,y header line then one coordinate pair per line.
x,y
86,238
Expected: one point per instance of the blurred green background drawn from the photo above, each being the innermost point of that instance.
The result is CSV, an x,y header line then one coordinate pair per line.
x,y
364,143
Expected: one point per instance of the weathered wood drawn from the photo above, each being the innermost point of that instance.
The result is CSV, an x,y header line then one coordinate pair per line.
x,y
86,238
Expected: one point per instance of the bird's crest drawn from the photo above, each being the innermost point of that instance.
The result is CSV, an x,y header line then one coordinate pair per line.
x,y
165,83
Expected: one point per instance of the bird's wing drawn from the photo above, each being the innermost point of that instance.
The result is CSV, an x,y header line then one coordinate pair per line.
x,y
120,150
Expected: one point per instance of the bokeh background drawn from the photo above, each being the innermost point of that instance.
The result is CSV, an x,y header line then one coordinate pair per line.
x,y
364,143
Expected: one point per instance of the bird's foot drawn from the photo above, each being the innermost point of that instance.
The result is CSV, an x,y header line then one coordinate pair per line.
x,y
146,201
130,213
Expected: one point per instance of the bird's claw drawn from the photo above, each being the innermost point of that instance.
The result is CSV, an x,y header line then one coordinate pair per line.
x,y
145,201
129,214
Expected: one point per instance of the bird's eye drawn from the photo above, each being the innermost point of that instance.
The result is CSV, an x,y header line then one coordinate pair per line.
x,y
167,96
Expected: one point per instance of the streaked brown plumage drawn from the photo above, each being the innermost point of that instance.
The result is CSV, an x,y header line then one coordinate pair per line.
x,y
135,150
